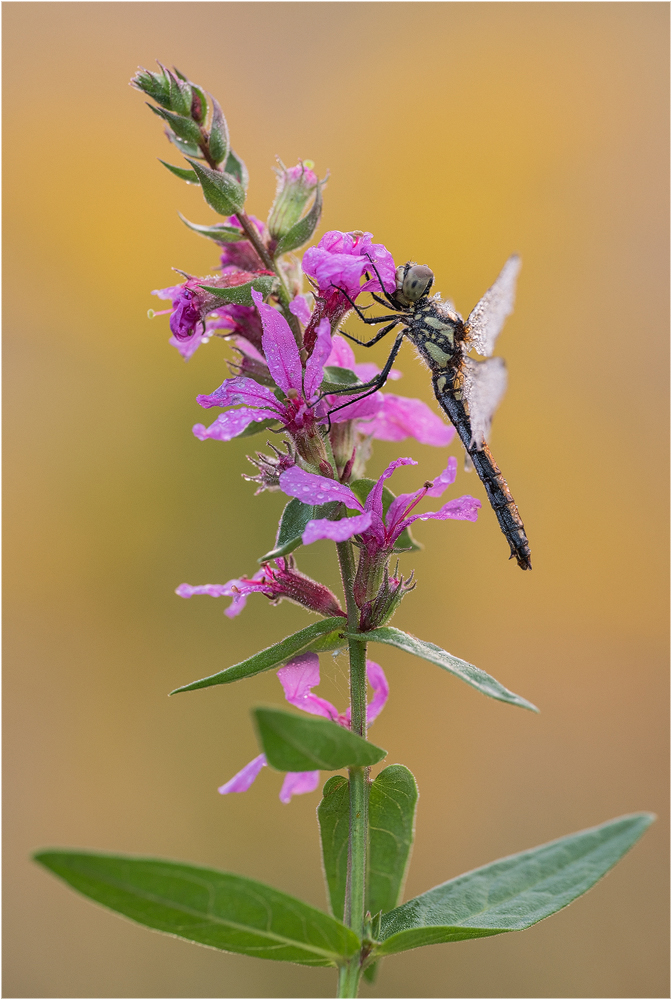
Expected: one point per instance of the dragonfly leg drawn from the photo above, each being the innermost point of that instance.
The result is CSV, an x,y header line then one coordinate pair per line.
x,y
376,383
374,340
365,319
380,282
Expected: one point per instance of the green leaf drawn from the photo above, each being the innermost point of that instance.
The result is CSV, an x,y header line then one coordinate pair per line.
x,y
186,148
242,294
392,803
218,142
302,230
513,893
220,232
221,191
256,428
361,488
477,678
273,656
207,906
185,175
184,128
295,517
333,816
309,743
336,377
236,167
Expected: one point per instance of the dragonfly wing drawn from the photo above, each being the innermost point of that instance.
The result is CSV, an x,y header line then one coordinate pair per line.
x,y
487,317
484,386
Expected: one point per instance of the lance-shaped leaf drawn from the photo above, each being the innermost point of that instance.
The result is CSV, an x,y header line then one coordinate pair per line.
x,y
273,656
236,167
221,191
218,141
309,743
184,128
207,906
333,816
513,893
295,517
241,295
185,175
474,676
220,232
302,230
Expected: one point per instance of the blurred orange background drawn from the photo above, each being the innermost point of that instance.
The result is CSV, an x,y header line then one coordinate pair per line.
x,y
456,134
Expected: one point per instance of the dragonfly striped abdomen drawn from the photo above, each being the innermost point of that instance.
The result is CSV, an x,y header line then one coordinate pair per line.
x,y
467,390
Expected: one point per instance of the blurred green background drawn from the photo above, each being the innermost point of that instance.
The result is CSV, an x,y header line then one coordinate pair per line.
x,y
456,134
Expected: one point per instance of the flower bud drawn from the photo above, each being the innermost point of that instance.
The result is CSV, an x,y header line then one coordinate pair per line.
x,y
270,468
295,188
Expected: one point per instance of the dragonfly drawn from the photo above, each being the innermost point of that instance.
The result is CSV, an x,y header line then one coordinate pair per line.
x,y
467,390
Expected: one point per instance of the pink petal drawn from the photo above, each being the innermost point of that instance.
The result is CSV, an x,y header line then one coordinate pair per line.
x,y
230,424
188,347
298,783
298,678
245,778
381,690
300,308
463,509
337,531
282,354
401,417
445,479
309,488
358,409
342,355
374,501
316,361
211,589
241,390
366,370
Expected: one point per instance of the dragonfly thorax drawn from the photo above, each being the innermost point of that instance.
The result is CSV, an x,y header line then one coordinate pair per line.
x,y
437,335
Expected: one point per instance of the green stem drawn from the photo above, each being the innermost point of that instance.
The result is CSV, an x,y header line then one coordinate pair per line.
x,y
250,231
348,979
355,890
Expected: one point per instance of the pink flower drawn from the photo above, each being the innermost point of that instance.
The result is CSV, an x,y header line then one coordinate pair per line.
x,y
192,304
280,582
378,531
341,259
300,387
298,678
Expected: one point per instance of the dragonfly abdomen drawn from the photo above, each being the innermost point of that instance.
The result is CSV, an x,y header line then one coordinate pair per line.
x,y
496,486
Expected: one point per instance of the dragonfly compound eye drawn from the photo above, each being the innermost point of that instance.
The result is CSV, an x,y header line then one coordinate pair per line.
x,y
417,282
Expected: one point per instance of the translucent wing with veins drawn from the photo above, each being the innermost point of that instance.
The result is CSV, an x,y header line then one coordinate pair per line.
x,y
487,317
484,386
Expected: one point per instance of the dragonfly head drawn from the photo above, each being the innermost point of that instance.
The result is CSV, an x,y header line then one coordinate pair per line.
x,y
413,282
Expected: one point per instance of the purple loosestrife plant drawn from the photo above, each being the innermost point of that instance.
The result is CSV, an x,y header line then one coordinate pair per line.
x,y
293,374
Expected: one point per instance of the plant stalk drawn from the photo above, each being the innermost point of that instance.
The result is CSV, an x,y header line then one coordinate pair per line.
x,y
358,837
